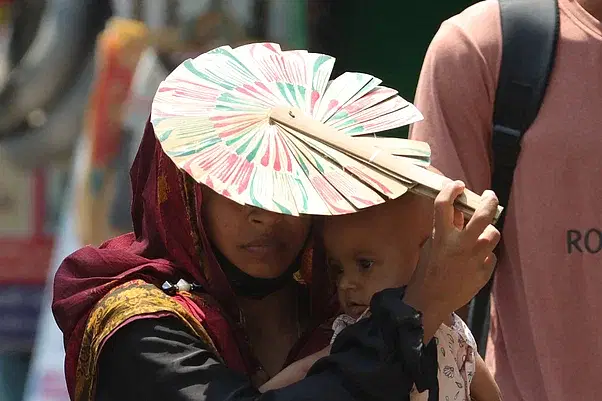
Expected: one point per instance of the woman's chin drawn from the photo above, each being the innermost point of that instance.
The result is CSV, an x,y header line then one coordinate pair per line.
x,y
265,270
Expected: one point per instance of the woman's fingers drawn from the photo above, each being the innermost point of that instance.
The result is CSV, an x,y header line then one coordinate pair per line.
x,y
487,241
444,207
489,265
482,217
458,219
459,259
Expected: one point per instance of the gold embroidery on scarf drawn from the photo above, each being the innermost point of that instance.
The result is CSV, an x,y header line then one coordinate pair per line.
x,y
162,188
189,198
133,299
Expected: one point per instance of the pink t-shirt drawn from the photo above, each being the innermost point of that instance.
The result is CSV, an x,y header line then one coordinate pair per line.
x,y
546,337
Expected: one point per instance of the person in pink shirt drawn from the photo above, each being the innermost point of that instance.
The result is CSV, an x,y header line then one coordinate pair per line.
x,y
545,339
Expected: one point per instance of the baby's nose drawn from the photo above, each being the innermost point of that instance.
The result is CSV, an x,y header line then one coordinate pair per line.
x,y
346,283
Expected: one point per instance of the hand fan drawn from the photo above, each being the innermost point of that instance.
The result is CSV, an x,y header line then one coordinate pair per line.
x,y
268,128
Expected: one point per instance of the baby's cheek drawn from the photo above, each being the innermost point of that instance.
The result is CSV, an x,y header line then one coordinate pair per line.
x,y
376,286
406,270
341,295
393,279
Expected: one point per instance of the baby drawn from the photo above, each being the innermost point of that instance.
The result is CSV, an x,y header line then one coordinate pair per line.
x,y
379,248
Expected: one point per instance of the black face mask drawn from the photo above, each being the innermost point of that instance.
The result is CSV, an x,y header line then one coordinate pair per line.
x,y
245,285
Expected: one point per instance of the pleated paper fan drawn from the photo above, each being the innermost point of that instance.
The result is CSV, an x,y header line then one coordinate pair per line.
x,y
268,128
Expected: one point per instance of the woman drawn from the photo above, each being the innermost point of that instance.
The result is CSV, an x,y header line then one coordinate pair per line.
x,y
132,331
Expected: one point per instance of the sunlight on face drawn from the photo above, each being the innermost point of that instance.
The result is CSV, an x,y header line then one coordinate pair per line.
x,y
376,248
260,243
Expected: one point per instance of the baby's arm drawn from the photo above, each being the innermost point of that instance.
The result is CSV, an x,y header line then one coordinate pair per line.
x,y
483,386
293,372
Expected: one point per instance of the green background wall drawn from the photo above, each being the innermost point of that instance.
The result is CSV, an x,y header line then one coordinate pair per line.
x,y
385,38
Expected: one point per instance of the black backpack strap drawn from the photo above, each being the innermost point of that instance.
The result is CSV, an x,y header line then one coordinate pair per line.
x,y
530,33
529,36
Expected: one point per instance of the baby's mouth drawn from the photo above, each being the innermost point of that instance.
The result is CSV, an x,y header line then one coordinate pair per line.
x,y
355,310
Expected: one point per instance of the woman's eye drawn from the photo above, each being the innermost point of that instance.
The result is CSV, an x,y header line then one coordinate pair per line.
x,y
365,264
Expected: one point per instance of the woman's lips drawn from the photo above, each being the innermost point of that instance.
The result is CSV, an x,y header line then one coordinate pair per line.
x,y
260,250
263,248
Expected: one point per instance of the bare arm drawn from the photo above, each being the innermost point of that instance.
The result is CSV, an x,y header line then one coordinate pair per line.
x,y
483,386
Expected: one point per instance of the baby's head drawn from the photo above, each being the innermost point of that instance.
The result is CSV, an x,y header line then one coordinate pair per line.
x,y
376,248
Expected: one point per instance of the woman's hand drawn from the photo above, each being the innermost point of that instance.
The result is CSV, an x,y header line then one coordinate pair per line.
x,y
457,262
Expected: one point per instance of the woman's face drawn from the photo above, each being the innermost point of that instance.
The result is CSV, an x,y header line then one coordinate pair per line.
x,y
260,243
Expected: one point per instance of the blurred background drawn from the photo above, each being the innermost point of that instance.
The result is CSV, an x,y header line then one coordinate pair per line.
x,y
77,79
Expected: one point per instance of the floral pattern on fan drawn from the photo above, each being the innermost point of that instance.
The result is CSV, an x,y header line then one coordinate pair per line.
x,y
212,117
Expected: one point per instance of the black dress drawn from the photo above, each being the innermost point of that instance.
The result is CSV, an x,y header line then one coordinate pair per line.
x,y
378,358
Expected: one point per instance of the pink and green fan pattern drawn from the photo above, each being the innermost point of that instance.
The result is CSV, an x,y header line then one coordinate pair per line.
x,y
211,116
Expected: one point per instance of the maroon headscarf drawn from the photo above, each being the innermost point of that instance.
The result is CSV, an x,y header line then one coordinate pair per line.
x,y
167,244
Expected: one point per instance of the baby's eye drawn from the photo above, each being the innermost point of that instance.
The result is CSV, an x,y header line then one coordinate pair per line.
x,y
365,264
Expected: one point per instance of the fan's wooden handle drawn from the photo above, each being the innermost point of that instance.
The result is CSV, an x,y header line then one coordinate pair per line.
x,y
426,182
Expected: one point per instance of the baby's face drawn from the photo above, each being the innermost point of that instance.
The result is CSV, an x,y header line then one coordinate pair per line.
x,y
376,248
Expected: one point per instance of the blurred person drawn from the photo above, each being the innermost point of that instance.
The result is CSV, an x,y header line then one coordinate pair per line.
x,y
118,50
132,60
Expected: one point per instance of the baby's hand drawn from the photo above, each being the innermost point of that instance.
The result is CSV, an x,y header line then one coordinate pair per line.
x,y
458,261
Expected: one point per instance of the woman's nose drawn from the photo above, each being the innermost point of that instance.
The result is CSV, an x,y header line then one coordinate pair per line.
x,y
264,217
